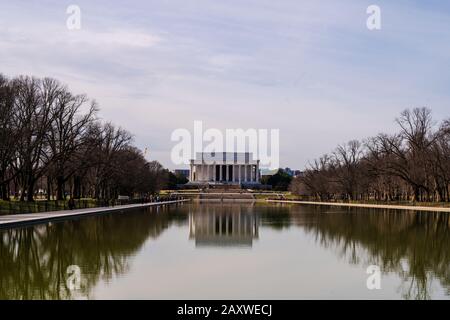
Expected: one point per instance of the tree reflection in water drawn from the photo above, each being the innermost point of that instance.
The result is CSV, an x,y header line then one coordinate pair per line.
x,y
414,245
34,260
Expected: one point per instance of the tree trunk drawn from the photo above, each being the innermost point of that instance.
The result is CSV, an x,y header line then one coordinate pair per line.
x,y
49,188
30,190
77,187
4,191
417,194
60,192
22,193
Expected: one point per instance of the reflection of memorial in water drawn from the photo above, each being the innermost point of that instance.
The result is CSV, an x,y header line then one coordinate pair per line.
x,y
223,225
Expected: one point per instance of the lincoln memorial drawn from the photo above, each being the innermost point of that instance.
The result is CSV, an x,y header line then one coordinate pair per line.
x,y
224,168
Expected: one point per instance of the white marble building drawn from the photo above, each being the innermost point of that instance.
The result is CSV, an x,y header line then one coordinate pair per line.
x,y
224,168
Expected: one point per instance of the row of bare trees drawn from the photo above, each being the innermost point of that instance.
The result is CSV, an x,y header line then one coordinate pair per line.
x,y
52,136
411,165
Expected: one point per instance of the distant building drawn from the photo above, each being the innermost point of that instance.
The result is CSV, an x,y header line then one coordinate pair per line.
x,y
182,172
289,171
293,173
298,173
266,173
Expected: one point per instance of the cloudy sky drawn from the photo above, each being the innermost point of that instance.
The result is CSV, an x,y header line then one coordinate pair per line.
x,y
309,68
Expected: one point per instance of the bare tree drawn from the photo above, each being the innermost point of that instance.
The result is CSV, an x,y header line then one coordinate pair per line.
x,y
48,134
33,117
109,141
66,136
413,164
7,135
347,158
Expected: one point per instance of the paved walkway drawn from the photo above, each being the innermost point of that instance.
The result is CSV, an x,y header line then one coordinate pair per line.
x,y
362,205
12,220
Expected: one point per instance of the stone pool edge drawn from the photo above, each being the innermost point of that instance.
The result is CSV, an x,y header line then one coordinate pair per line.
x,y
19,220
362,205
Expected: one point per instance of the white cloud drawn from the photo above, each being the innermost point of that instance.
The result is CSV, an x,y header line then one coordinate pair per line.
x,y
55,36
113,38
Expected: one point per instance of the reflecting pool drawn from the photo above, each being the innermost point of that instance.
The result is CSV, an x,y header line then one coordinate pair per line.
x,y
231,251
